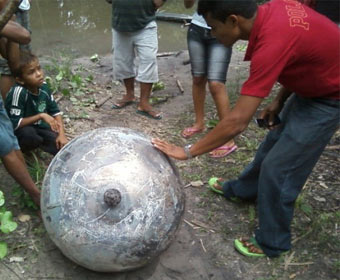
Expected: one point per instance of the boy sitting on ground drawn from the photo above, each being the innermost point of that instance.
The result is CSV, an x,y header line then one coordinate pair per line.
x,y
35,115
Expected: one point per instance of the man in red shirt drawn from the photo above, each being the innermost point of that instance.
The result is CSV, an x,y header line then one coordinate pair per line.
x,y
298,47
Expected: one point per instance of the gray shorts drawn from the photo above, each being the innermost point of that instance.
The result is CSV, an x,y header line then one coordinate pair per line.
x,y
135,54
8,141
208,57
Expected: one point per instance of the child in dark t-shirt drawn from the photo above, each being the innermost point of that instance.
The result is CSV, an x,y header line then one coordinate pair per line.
x,y
35,115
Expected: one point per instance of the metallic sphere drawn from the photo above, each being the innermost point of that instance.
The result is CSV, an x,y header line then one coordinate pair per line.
x,y
111,201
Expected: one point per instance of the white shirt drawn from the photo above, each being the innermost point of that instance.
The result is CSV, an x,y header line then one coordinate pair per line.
x,y
199,20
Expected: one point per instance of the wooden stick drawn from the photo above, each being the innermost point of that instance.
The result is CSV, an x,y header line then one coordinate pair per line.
x,y
103,101
306,263
202,225
180,86
334,147
203,246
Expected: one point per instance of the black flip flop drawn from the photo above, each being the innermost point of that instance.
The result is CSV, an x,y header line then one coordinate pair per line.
x,y
147,114
124,104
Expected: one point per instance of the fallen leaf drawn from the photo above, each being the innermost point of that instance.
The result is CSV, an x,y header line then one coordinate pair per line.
x,y
319,198
16,259
322,184
24,218
197,183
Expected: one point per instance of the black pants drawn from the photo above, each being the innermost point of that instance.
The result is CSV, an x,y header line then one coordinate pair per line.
x,y
31,137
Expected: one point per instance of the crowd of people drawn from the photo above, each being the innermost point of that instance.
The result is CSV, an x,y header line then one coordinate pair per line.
x,y
289,43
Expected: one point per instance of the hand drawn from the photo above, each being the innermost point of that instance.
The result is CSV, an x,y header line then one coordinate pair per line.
x,y
61,141
170,149
271,112
51,121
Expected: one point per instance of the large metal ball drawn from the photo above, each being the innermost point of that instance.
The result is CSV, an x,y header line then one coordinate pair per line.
x,y
111,201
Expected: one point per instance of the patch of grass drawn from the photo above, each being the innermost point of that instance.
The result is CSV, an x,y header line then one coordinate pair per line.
x,y
302,204
37,170
325,231
336,266
7,225
62,78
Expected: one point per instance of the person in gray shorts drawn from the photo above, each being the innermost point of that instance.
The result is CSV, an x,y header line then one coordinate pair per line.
x,y
135,35
209,64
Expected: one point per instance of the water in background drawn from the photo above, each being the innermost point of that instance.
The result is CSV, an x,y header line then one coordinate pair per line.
x,y
84,27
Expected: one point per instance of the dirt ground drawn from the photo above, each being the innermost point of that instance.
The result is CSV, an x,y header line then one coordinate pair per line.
x,y
203,246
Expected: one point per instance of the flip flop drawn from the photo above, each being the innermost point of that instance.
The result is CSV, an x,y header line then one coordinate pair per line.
x,y
191,131
227,150
149,114
244,250
121,105
214,180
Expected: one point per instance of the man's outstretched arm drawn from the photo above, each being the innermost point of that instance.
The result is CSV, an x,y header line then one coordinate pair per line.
x,y
229,127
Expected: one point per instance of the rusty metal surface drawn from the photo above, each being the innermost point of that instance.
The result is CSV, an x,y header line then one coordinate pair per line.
x,y
142,207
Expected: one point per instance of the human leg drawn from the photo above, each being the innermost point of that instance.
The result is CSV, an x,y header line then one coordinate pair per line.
x,y
218,60
23,18
18,170
28,138
49,140
197,54
285,169
123,66
219,94
146,43
198,96
246,185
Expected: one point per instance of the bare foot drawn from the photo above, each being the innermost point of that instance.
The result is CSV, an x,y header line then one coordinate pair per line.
x,y
149,112
218,184
121,103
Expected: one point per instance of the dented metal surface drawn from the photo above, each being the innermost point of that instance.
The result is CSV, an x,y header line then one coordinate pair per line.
x,y
137,217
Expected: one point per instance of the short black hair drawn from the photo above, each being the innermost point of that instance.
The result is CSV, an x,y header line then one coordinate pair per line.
x,y
221,9
25,58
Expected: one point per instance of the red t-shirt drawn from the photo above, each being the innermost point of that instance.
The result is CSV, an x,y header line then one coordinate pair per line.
x,y
296,46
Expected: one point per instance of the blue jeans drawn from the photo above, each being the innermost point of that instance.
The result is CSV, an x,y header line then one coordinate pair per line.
x,y
8,141
282,165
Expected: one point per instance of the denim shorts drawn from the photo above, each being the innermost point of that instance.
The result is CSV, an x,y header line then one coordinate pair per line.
x,y
8,141
208,57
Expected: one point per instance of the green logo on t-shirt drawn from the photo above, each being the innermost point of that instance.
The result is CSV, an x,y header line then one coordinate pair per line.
x,y
42,107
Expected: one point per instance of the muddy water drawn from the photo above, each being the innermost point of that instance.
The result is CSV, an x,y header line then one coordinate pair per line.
x,y
84,27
